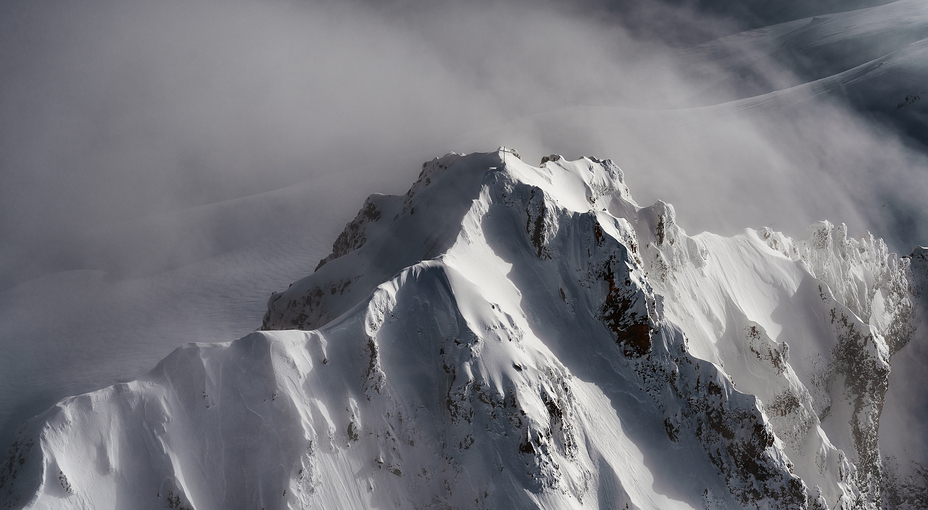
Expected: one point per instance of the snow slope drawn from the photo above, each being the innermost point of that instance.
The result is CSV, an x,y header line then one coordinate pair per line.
x,y
157,283
510,336
873,58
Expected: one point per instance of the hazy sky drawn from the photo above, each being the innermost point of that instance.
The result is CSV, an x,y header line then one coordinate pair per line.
x,y
114,110
121,120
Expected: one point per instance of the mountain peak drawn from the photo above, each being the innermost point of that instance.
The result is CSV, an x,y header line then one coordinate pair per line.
x,y
505,335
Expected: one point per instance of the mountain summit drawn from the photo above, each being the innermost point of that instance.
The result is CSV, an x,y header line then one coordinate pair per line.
x,y
510,336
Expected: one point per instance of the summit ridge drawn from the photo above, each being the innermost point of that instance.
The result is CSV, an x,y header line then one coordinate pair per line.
x,y
512,336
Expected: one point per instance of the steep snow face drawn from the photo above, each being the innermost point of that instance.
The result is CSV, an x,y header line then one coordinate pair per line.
x,y
808,327
509,336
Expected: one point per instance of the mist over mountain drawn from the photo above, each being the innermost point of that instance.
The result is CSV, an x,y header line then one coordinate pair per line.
x,y
131,113
164,167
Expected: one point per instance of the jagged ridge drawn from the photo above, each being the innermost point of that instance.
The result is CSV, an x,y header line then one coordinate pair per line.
x,y
511,336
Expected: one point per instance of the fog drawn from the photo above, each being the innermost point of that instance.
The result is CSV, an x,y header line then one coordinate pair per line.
x,y
138,139
120,110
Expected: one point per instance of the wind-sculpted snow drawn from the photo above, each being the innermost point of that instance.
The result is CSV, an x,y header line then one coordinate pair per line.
x,y
509,336
844,305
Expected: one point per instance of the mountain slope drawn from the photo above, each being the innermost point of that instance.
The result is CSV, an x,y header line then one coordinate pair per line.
x,y
511,336
872,58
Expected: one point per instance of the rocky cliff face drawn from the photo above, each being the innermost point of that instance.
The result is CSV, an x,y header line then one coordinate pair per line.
x,y
513,336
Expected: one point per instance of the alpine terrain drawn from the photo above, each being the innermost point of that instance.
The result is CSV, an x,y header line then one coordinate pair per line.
x,y
511,336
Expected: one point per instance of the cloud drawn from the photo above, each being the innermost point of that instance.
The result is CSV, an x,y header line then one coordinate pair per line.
x,y
120,110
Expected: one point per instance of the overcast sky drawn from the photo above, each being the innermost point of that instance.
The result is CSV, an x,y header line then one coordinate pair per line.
x,y
117,110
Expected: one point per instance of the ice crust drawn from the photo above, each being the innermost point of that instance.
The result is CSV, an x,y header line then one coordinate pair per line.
x,y
511,336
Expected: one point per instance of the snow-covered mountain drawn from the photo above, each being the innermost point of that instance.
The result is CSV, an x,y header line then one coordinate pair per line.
x,y
510,336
